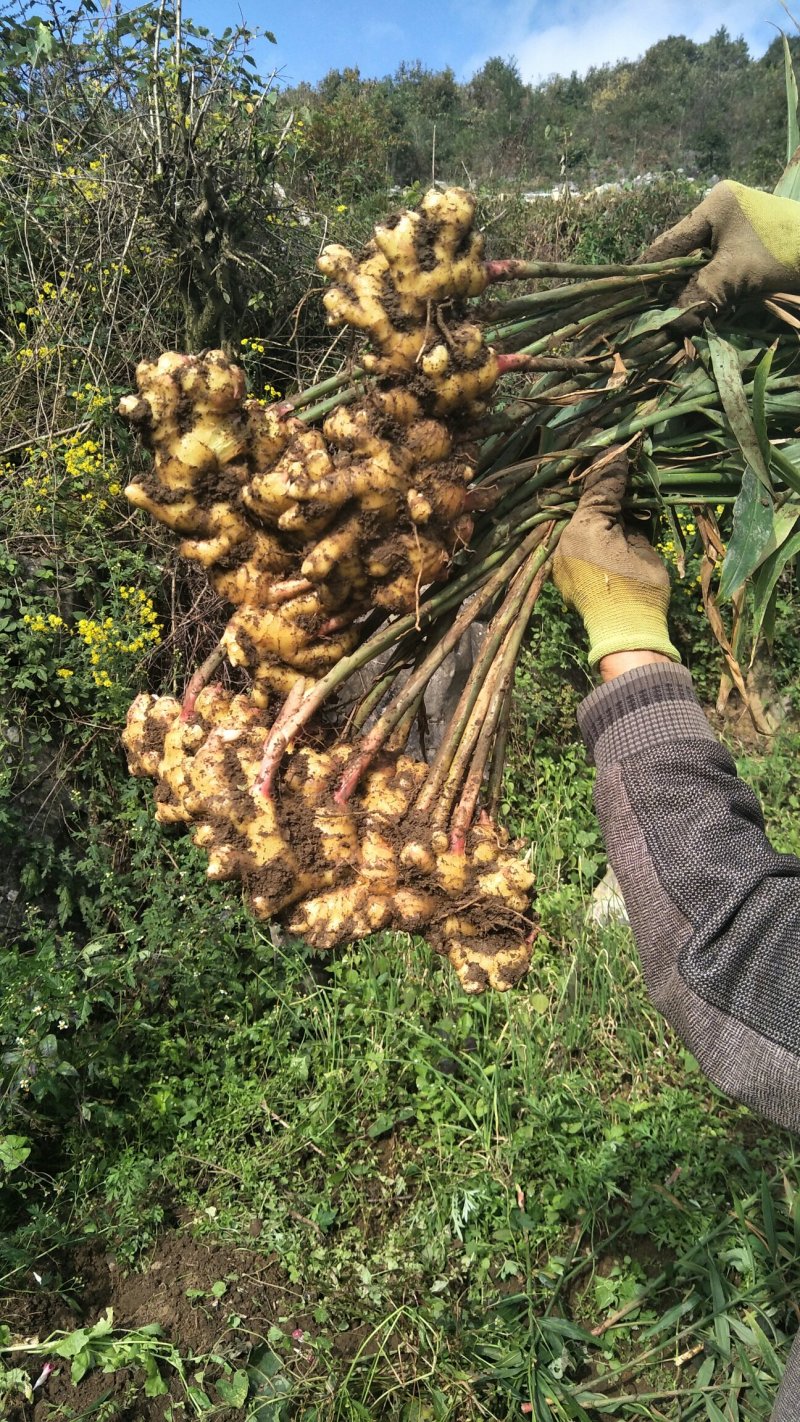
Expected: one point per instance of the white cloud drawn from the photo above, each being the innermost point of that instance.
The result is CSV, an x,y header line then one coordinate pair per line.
x,y
561,38
378,31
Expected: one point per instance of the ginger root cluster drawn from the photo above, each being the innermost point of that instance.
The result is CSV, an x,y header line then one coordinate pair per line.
x,y
336,872
302,529
305,529
405,292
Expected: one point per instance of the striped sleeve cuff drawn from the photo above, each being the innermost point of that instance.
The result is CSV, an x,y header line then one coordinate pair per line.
x,y
640,709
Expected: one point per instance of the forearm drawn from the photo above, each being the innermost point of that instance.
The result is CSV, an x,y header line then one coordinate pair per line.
x,y
714,909
620,662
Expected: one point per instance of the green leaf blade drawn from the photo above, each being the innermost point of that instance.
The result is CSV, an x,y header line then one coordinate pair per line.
x,y
792,126
751,540
725,365
767,578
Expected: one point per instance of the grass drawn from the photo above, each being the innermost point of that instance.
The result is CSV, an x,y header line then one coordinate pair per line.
x,y
479,1206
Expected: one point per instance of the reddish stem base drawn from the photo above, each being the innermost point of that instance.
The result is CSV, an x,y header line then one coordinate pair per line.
x,y
350,779
285,591
512,360
510,269
278,739
337,623
199,681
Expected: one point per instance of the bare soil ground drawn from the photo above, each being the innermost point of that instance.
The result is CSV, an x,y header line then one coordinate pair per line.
x,y
175,1291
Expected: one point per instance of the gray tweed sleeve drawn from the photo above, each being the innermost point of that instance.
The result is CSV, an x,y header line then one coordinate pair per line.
x,y
715,910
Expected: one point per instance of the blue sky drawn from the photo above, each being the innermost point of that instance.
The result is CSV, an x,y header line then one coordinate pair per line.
x,y
545,38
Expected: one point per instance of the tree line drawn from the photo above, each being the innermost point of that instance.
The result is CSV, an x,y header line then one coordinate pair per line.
x,y
682,105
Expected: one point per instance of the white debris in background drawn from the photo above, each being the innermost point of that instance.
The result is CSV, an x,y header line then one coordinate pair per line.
x,y
607,905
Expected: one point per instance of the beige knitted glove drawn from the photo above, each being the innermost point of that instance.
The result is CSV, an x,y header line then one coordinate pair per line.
x,y
755,239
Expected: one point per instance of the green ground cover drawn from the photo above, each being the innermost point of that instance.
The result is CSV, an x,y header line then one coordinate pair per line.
x,y
464,1205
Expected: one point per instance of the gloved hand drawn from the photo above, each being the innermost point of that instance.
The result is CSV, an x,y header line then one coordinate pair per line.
x,y
755,239
610,575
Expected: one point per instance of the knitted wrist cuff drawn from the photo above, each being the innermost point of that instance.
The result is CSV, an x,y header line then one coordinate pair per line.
x,y
638,710
628,629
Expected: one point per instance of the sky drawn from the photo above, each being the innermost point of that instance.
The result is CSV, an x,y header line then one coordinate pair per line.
x,y
545,38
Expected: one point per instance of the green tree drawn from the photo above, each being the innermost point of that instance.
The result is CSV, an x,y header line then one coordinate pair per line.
x,y
191,138
346,154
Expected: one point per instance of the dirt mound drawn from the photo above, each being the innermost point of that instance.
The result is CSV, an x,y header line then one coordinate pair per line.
x,y
207,1298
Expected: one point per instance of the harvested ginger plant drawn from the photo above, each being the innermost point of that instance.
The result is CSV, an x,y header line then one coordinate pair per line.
x,y
371,529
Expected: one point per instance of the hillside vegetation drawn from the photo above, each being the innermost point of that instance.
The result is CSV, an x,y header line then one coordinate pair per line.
x,y
682,106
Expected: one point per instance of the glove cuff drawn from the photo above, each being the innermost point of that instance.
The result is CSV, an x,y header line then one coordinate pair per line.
x,y
621,614
646,638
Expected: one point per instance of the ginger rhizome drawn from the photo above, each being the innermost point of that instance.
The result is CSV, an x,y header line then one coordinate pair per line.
x,y
405,292
303,530
336,871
